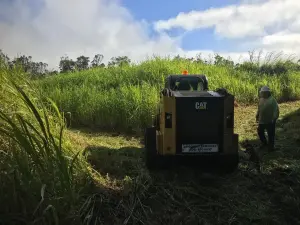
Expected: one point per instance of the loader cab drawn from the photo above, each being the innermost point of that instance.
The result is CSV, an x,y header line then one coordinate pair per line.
x,y
187,83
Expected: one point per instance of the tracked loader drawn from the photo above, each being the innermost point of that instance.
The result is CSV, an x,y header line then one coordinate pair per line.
x,y
193,125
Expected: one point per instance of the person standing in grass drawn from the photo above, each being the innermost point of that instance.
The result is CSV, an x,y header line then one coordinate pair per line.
x,y
266,116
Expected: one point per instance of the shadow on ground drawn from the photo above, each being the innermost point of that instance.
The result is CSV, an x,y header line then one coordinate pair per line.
x,y
185,196
118,163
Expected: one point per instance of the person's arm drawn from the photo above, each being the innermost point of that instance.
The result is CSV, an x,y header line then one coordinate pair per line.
x,y
258,109
276,111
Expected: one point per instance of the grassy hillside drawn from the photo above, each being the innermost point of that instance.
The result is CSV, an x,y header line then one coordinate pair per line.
x,y
126,98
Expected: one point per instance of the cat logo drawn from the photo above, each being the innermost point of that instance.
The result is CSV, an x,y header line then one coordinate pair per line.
x,y
200,105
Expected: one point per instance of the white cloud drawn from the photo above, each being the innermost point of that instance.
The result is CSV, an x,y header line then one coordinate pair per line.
x,y
269,25
253,18
74,27
287,41
194,19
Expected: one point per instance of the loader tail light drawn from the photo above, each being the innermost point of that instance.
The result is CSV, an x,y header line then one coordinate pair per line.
x,y
229,120
168,120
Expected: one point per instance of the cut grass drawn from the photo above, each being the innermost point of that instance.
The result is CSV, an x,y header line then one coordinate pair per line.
x,y
185,196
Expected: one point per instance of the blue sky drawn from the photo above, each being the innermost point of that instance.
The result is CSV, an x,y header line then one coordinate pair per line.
x,y
153,10
49,29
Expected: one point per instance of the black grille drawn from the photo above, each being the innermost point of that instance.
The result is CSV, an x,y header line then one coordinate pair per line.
x,y
199,126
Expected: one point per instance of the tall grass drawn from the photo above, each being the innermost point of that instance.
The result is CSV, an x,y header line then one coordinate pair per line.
x,y
39,171
125,98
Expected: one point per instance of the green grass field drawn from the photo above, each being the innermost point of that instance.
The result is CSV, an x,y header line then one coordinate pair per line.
x,y
53,175
125,99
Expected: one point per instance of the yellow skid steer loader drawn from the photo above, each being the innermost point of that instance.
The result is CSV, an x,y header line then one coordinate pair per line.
x,y
193,124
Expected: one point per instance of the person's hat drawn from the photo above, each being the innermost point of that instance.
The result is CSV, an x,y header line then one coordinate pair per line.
x,y
265,89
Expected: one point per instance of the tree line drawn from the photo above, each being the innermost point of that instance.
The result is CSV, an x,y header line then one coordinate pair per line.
x,y
271,66
65,64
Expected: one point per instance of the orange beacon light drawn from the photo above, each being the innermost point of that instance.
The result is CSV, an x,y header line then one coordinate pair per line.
x,y
185,72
